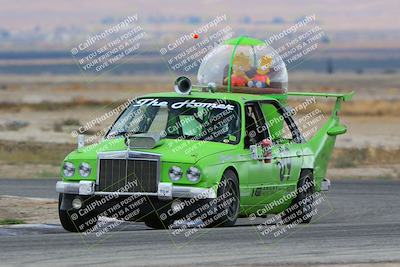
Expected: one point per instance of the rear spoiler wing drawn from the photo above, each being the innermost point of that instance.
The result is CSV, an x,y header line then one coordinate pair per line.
x,y
343,97
340,97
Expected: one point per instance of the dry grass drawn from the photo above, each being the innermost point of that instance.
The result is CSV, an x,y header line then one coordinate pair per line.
x,y
365,163
8,221
25,210
356,107
370,155
51,106
12,152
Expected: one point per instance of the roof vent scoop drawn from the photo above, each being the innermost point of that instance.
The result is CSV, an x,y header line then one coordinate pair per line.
x,y
144,140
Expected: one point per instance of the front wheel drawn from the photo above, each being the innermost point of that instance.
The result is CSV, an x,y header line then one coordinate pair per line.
x,y
228,200
72,222
155,222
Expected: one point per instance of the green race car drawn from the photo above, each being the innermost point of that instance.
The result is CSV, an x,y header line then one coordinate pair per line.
x,y
213,153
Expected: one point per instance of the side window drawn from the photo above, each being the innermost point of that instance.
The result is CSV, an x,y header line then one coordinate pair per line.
x,y
255,132
279,130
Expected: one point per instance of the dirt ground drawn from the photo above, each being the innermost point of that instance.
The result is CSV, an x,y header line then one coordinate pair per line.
x,y
30,210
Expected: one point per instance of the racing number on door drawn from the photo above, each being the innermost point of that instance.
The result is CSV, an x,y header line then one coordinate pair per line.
x,y
284,164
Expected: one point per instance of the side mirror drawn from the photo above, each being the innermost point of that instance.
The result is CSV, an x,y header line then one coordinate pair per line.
x,y
337,130
255,152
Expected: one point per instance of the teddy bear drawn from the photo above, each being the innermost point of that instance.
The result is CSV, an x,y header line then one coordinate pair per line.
x,y
240,65
261,79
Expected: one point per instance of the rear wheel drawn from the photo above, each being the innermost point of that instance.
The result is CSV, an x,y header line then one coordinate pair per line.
x,y
301,209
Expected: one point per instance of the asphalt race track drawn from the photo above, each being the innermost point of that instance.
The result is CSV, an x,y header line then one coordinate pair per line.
x,y
357,222
41,188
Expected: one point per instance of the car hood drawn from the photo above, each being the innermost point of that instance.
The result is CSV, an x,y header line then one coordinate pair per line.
x,y
171,150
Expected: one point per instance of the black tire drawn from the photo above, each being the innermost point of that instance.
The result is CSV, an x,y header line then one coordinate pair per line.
x,y
229,187
301,209
153,221
66,221
77,226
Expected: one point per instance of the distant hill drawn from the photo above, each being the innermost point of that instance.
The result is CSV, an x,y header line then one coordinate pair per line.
x,y
55,24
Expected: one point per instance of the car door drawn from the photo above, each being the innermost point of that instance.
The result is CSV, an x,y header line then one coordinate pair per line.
x,y
261,173
287,146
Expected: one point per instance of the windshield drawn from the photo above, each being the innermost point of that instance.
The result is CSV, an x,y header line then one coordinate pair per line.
x,y
213,120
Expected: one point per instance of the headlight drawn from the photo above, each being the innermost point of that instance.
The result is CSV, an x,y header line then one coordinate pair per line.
x,y
84,169
193,174
68,169
175,173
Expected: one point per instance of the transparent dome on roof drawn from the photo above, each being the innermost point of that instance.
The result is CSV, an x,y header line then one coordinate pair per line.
x,y
244,63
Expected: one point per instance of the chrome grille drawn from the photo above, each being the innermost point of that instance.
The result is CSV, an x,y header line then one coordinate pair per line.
x,y
133,171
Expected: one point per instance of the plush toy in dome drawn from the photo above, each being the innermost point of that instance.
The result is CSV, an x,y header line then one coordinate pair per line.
x,y
261,79
240,65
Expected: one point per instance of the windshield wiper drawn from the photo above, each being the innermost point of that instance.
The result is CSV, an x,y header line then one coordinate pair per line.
x,y
115,134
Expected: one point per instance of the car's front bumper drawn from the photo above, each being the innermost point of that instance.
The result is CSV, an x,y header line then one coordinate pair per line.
x,y
165,190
